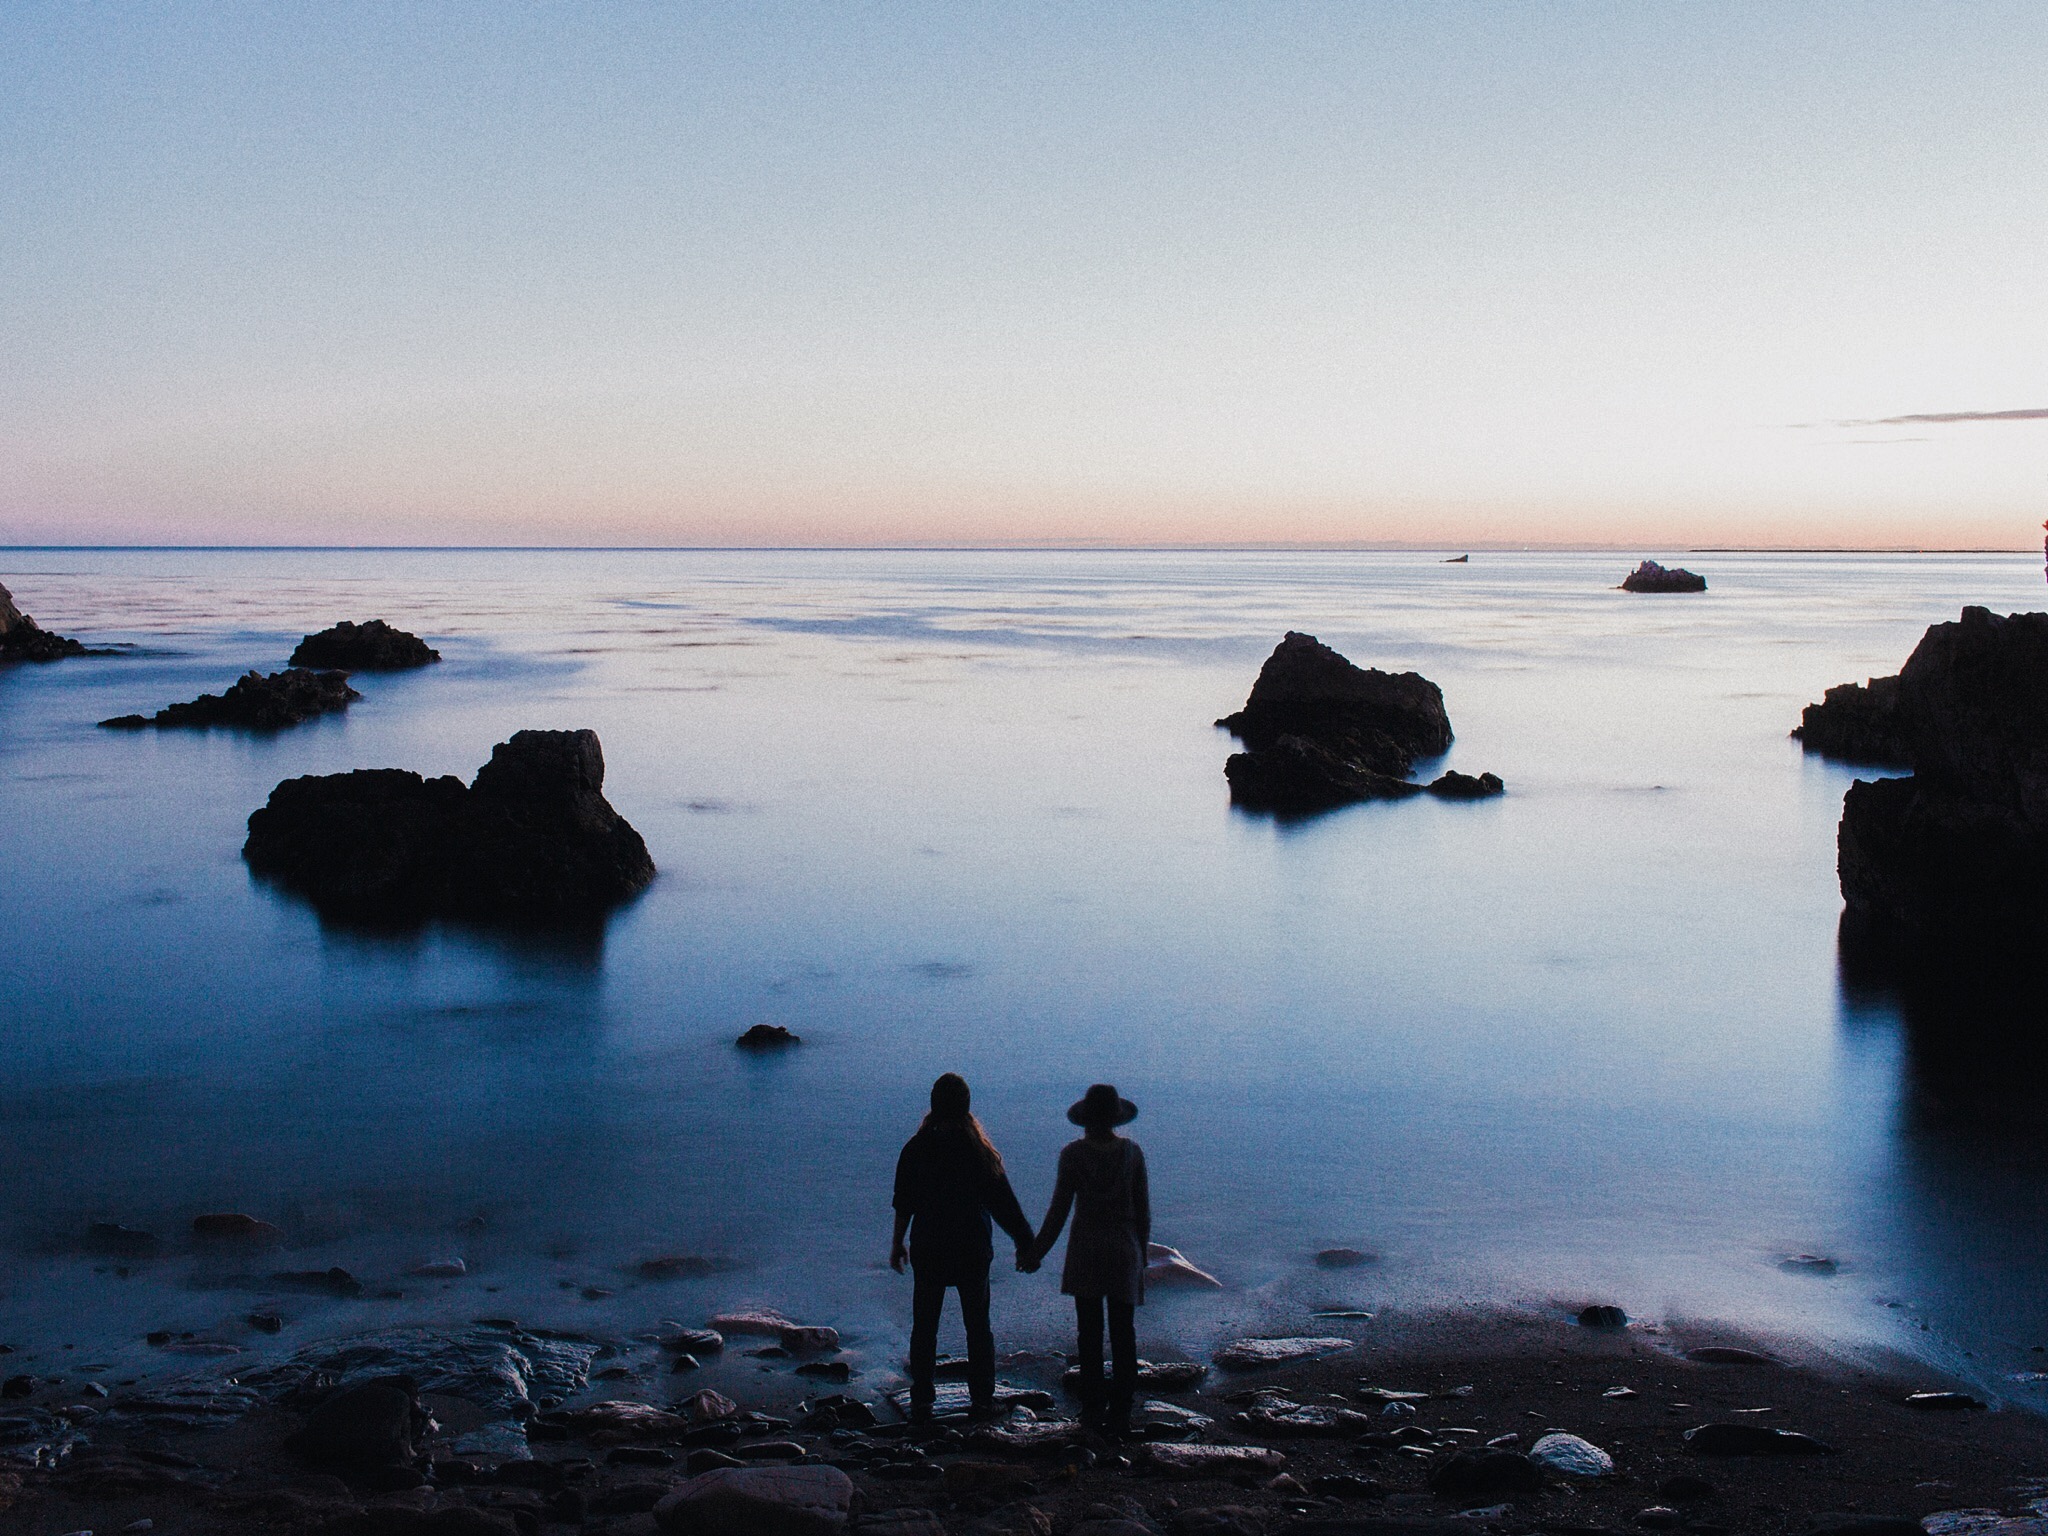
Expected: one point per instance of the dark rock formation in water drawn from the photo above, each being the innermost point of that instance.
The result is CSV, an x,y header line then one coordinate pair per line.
x,y
531,839
363,1427
1320,732
1652,577
371,647
23,639
1858,723
1463,786
1956,857
767,1037
255,703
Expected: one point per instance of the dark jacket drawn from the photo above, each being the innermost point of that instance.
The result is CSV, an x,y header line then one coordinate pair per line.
x,y
946,1187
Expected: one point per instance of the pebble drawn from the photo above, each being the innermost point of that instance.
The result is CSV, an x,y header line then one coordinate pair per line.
x,y
1602,1315
1345,1258
440,1269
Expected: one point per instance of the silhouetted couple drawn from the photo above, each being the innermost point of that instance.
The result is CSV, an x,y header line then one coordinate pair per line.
x,y
950,1183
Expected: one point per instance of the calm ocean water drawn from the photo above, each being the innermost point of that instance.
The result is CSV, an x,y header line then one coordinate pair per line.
x,y
967,811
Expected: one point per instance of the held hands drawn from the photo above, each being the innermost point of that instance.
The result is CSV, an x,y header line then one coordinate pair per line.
x,y
1027,1259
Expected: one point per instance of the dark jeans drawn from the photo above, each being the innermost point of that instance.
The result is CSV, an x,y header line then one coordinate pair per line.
x,y
927,1301
1123,1349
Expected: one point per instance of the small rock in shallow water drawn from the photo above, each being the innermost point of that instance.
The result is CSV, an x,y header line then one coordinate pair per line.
x,y
1808,1264
266,1322
117,1241
440,1269
690,1341
333,1282
229,1227
1453,785
676,1266
1345,1258
1602,1316
1652,577
767,1037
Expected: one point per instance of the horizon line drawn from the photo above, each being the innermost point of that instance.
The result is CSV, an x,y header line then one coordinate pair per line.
x,y
1306,546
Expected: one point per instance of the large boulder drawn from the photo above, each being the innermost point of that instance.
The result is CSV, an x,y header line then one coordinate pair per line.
x,y
23,639
363,1427
1320,732
371,647
1652,577
532,838
1955,858
255,703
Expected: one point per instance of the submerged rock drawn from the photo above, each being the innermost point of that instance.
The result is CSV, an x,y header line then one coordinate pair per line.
x,y
232,1228
254,703
362,1427
1652,577
371,647
23,639
532,838
1321,732
1602,1315
1463,786
1955,858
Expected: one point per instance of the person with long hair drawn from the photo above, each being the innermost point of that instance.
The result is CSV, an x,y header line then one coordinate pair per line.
x,y
1102,1178
949,1183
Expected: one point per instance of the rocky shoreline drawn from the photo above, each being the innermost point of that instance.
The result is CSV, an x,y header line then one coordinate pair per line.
x,y
1491,1423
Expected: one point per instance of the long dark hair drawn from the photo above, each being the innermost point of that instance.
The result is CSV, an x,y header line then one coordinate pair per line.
x,y
950,1110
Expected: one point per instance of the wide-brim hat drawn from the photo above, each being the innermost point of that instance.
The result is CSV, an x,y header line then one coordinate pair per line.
x,y
1101,1105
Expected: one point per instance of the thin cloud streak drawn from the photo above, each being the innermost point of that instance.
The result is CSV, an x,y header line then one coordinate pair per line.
x,y
1926,417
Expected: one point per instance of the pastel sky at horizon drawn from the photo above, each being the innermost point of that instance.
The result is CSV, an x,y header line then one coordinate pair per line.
x,y
632,273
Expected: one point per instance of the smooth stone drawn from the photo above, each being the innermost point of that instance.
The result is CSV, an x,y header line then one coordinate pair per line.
x,y
440,1269
760,1501
1169,1266
1214,1460
707,1407
1251,1354
692,1341
332,1282
1571,1456
1602,1315
1751,1440
1808,1264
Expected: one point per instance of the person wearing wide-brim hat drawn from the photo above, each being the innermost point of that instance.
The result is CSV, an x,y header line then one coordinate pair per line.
x,y
1102,1179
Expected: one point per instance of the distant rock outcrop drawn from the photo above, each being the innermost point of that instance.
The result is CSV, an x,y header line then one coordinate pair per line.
x,y
532,838
254,703
1652,577
1957,855
1322,732
1858,723
23,639
371,647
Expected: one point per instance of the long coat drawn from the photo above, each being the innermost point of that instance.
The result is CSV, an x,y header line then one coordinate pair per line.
x,y
949,1190
1105,1184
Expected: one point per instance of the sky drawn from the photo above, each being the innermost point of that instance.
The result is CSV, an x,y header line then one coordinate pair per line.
x,y
1443,274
